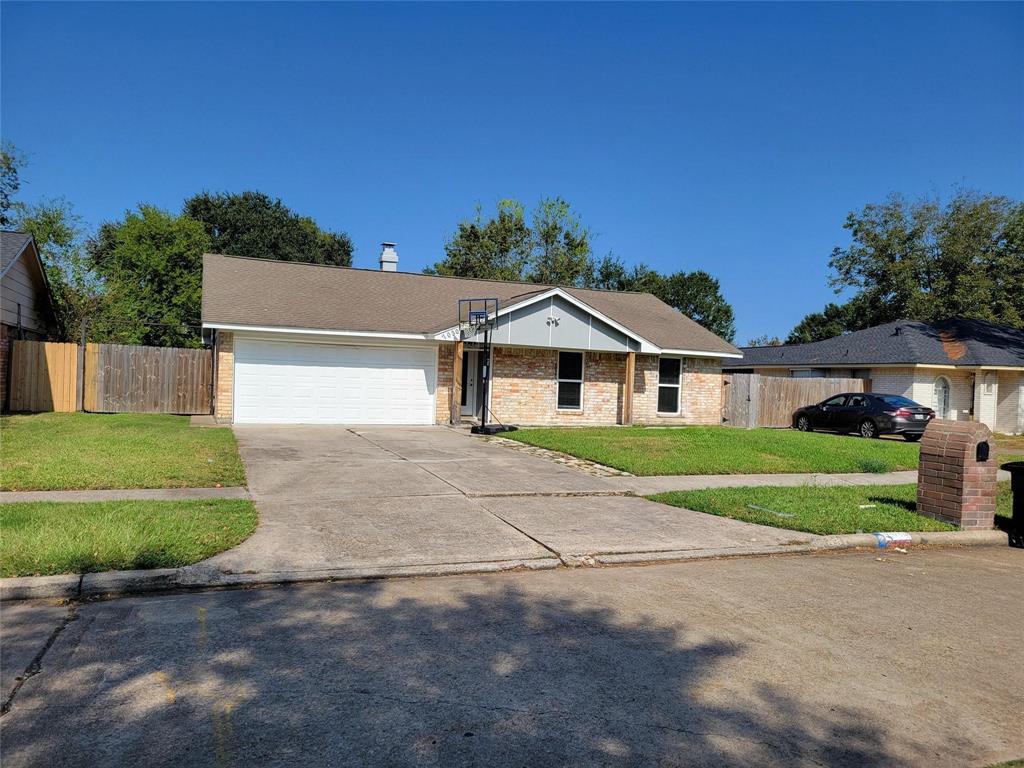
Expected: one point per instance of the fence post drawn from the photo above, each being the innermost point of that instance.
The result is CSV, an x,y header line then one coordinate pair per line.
x,y
80,378
754,420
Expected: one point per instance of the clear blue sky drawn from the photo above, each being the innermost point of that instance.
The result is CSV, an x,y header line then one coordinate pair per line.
x,y
732,138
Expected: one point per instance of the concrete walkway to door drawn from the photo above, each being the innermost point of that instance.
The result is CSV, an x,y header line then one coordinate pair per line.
x,y
343,502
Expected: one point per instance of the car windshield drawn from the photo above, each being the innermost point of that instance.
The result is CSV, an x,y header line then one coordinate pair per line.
x,y
899,401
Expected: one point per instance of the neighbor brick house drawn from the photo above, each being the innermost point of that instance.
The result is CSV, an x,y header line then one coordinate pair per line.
x,y
26,303
966,369
304,343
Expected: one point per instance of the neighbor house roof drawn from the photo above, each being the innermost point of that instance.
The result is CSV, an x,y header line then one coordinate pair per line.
x,y
11,246
958,341
261,292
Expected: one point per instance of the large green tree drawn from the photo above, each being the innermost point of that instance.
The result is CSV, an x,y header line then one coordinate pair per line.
x,y
553,248
60,238
11,163
561,246
696,294
150,264
257,225
925,260
495,248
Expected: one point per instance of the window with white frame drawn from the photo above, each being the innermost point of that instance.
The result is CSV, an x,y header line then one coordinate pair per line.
x,y
669,378
570,381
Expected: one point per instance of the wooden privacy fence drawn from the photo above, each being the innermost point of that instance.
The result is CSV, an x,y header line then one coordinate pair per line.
x,y
43,376
128,379
109,378
753,400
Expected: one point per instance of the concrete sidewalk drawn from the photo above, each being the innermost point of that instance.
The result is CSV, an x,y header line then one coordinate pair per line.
x,y
126,494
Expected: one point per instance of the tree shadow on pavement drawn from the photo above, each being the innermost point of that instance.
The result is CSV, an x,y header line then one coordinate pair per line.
x,y
384,674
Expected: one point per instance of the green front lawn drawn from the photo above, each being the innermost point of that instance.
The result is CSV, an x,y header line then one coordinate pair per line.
x,y
722,450
67,451
42,538
829,510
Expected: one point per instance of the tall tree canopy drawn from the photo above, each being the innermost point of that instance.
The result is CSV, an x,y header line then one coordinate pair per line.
x,y
696,294
555,248
150,265
11,163
926,261
59,236
257,225
497,248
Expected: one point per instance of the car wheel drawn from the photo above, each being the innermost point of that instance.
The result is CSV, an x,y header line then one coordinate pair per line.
x,y
868,428
803,424
911,438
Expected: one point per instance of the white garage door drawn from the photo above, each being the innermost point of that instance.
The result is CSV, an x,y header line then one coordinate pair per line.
x,y
282,382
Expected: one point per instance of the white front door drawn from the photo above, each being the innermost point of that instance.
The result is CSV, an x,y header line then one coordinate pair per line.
x,y
286,382
470,381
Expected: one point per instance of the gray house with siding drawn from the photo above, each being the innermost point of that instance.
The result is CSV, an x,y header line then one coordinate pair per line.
x,y
26,304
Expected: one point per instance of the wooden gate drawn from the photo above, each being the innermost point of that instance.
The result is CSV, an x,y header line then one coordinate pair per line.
x,y
739,400
120,378
43,376
753,400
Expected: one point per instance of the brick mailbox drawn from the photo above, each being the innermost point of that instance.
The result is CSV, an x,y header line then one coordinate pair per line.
x,y
956,481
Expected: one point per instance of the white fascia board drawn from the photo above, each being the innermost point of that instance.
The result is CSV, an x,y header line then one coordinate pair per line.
x,y
448,334
12,262
698,353
319,331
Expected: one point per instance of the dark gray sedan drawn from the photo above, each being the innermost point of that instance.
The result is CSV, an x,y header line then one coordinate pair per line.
x,y
869,414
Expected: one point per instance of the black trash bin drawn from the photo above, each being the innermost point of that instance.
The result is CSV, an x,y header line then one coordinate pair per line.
x,y
1016,530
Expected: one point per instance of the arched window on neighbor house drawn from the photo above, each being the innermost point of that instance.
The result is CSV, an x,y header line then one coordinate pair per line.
x,y
941,397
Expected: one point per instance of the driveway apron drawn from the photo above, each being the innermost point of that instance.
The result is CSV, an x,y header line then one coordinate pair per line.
x,y
369,499
331,499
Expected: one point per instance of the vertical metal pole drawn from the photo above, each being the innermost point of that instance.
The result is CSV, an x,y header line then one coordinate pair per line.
x,y
486,376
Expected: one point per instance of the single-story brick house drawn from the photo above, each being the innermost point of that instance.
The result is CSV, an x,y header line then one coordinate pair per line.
x,y
304,343
966,369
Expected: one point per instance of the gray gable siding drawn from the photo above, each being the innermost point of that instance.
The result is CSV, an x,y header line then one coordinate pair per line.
x,y
575,329
23,295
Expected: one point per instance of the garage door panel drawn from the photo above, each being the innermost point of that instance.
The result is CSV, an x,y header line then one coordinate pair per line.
x,y
286,382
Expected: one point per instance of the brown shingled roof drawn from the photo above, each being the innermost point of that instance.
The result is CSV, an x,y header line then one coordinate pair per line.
x,y
261,292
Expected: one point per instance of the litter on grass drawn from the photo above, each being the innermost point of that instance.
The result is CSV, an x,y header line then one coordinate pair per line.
x,y
886,539
772,511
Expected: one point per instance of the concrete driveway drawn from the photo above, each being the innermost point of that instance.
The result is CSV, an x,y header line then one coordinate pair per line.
x,y
341,501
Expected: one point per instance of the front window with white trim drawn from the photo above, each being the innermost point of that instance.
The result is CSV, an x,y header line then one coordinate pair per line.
x,y
570,381
670,371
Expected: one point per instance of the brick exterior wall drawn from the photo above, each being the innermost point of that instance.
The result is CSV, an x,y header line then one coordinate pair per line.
x,y
700,392
952,485
445,382
524,389
225,390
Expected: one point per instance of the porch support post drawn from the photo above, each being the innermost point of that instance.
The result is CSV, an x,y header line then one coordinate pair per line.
x,y
456,403
627,390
